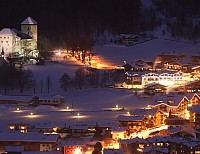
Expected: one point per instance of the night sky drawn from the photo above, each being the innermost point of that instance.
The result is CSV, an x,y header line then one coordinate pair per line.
x,y
71,21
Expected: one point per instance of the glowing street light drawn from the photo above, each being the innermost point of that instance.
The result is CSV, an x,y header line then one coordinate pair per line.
x,y
78,114
67,107
77,151
31,113
17,109
117,106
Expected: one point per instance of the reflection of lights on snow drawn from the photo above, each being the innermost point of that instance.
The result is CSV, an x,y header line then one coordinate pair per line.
x,y
77,151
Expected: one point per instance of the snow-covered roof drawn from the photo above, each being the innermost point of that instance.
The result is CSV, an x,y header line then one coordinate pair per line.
x,y
7,31
44,126
29,21
134,140
119,129
22,35
29,137
166,99
113,151
153,84
72,143
157,139
155,148
25,98
130,118
79,127
144,112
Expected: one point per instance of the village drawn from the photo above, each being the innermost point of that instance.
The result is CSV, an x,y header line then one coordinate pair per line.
x,y
153,108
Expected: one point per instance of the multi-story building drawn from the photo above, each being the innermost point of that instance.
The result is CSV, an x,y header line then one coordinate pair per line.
x,y
20,43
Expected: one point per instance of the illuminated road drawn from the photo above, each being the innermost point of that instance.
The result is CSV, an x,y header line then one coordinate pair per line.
x,y
145,134
96,61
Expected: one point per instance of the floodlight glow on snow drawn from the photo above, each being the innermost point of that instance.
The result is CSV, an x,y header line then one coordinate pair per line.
x,y
18,110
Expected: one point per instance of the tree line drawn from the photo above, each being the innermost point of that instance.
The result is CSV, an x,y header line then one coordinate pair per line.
x,y
21,80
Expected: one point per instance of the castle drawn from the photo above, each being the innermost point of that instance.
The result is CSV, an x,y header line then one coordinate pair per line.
x,y
14,43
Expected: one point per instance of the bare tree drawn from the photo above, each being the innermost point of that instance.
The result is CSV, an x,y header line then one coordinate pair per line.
x,y
41,86
24,79
6,78
79,78
65,81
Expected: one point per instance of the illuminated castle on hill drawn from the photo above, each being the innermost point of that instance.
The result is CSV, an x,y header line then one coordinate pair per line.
x,y
16,43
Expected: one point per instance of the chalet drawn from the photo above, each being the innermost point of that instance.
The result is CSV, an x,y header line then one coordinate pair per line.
x,y
153,88
79,131
127,39
184,131
191,87
155,150
182,64
195,100
175,104
174,121
30,141
134,145
45,128
162,59
22,127
73,146
133,78
154,117
141,65
119,133
132,123
53,101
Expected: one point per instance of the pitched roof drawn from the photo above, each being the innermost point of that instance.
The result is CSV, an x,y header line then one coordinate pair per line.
x,y
130,118
28,137
144,112
29,21
21,34
7,31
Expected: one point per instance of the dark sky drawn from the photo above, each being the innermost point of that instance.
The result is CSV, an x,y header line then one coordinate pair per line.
x,y
61,19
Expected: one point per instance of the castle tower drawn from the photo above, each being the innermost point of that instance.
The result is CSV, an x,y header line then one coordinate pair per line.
x,y
29,27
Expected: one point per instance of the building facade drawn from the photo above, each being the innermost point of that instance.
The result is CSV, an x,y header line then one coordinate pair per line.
x,y
22,43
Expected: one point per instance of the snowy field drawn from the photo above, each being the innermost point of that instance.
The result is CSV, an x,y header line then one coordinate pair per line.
x,y
116,55
90,103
